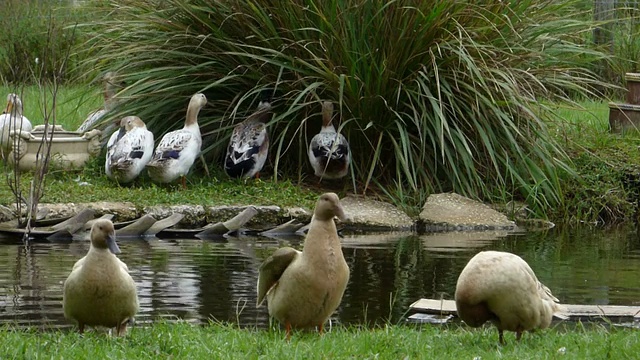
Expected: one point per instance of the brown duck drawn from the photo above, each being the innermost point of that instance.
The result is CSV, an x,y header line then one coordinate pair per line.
x,y
501,287
304,288
99,291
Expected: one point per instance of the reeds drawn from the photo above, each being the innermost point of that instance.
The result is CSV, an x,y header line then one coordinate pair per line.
x,y
432,95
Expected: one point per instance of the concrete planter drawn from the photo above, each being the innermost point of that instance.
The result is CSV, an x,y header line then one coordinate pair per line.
x,y
69,150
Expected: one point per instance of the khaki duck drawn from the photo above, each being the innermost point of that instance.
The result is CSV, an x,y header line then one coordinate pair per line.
x,y
329,152
501,287
99,291
303,289
128,150
249,144
12,119
178,150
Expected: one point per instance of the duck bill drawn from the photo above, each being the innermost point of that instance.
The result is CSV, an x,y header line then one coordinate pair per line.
x,y
112,245
340,214
9,107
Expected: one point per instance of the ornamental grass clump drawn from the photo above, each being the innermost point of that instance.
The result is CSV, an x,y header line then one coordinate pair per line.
x,y
432,95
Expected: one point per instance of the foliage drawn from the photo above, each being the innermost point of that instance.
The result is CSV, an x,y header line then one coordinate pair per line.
x,y
626,45
607,188
36,36
432,95
221,341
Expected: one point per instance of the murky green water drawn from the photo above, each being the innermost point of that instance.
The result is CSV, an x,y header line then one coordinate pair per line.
x,y
198,280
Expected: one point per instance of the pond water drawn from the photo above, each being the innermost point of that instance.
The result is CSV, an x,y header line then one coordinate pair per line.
x,y
198,280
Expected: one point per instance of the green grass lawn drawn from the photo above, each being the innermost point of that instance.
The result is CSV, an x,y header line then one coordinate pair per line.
x,y
216,341
73,103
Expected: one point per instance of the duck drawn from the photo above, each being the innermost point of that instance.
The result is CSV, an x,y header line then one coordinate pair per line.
x,y
303,288
249,144
111,87
128,150
329,151
99,290
501,287
12,118
177,150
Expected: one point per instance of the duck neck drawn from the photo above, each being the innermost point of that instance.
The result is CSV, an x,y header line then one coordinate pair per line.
x,y
322,239
192,116
328,129
99,251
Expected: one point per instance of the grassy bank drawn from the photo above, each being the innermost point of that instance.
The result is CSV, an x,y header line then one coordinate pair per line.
x,y
180,341
91,185
604,190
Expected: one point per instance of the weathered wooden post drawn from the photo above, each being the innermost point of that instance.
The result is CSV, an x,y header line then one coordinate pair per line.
x,y
603,13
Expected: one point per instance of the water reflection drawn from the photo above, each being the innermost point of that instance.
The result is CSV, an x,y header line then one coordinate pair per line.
x,y
200,280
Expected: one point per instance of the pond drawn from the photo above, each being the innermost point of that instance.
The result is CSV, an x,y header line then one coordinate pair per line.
x,y
198,280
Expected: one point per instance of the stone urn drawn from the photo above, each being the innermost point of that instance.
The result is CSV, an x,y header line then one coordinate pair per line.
x,y
69,150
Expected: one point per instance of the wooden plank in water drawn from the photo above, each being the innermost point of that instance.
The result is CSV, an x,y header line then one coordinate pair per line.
x,y
448,307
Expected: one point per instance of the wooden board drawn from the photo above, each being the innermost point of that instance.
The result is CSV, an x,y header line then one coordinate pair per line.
x,y
448,307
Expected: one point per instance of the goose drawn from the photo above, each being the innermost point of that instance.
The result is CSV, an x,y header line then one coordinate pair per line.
x,y
249,144
12,119
501,287
99,291
177,151
128,150
329,151
111,87
303,288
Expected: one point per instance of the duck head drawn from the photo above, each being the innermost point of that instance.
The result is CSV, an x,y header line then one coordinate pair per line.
x,y
130,122
328,206
13,104
103,236
198,101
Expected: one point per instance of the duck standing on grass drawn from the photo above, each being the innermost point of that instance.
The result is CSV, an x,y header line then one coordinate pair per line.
x,y
304,288
12,119
249,144
177,151
128,150
329,152
501,287
99,291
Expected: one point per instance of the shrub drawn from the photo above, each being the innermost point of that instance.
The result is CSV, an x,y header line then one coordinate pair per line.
x,y
432,95
41,30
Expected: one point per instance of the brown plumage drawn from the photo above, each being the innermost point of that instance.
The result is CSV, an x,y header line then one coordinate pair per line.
x,y
99,291
304,288
501,287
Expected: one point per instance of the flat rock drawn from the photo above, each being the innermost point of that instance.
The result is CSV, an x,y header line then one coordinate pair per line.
x,y
122,211
6,214
368,214
450,211
193,215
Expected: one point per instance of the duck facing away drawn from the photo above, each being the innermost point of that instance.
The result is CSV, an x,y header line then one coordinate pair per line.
x,y
501,287
12,119
111,87
177,151
329,151
249,144
128,150
303,288
99,291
